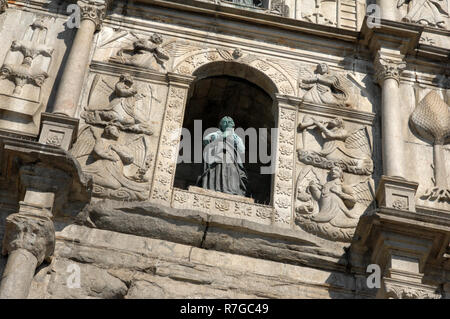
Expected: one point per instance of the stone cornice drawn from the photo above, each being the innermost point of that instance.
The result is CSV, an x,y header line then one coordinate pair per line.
x,y
393,35
255,18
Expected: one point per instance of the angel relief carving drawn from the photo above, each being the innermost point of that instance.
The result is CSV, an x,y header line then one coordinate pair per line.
x,y
324,87
145,53
113,147
330,209
350,150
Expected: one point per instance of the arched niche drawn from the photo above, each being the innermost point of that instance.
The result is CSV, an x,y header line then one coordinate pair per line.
x,y
247,95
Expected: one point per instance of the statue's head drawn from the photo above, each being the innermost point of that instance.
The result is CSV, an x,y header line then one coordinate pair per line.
x,y
336,172
124,88
111,132
226,122
322,68
156,38
336,122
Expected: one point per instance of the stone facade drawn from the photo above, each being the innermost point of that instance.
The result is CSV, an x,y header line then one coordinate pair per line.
x,y
94,99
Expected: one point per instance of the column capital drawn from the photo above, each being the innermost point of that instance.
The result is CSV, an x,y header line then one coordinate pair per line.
x,y
397,289
94,10
29,231
388,67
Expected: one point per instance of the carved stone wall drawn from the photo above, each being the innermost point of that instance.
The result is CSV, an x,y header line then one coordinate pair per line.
x,y
332,82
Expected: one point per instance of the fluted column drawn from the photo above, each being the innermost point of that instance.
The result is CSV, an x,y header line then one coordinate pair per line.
x,y
92,14
388,71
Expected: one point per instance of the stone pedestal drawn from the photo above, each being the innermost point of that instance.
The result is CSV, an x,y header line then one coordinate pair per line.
x,y
398,193
58,130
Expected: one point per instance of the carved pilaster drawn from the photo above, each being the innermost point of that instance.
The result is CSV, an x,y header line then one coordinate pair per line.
x,y
388,68
94,11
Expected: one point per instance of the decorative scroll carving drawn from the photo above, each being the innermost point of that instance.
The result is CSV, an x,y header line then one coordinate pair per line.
x,y
31,232
145,53
325,87
93,10
399,291
431,121
426,12
351,151
387,68
114,146
330,209
18,66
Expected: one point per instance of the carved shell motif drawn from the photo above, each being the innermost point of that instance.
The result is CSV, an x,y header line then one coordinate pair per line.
x,y
431,118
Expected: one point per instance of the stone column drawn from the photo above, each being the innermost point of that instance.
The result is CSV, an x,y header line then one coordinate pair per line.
x,y
388,71
29,239
71,83
388,8
30,234
60,128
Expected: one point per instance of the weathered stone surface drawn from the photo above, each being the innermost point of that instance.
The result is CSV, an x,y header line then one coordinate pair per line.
x,y
215,232
127,266
333,84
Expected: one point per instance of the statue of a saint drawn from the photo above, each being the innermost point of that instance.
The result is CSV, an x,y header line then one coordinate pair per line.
x,y
325,88
426,12
223,156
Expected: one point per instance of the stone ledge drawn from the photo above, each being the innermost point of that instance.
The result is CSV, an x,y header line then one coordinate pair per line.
x,y
222,233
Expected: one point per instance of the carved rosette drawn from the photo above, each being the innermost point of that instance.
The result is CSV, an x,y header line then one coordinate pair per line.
x,y
285,166
31,232
387,68
94,11
232,205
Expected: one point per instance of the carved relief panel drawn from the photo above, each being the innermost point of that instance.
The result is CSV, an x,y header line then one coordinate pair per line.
x,y
30,56
334,185
116,142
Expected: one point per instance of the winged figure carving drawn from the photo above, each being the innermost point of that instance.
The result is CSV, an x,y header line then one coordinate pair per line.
x,y
351,150
330,209
113,146
142,52
324,87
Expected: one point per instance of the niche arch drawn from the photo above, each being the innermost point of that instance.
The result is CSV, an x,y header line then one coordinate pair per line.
x,y
247,95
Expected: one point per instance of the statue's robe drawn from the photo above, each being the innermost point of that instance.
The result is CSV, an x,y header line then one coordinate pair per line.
x,y
223,165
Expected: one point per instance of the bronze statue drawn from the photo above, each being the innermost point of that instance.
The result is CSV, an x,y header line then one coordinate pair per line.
x,y
223,156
